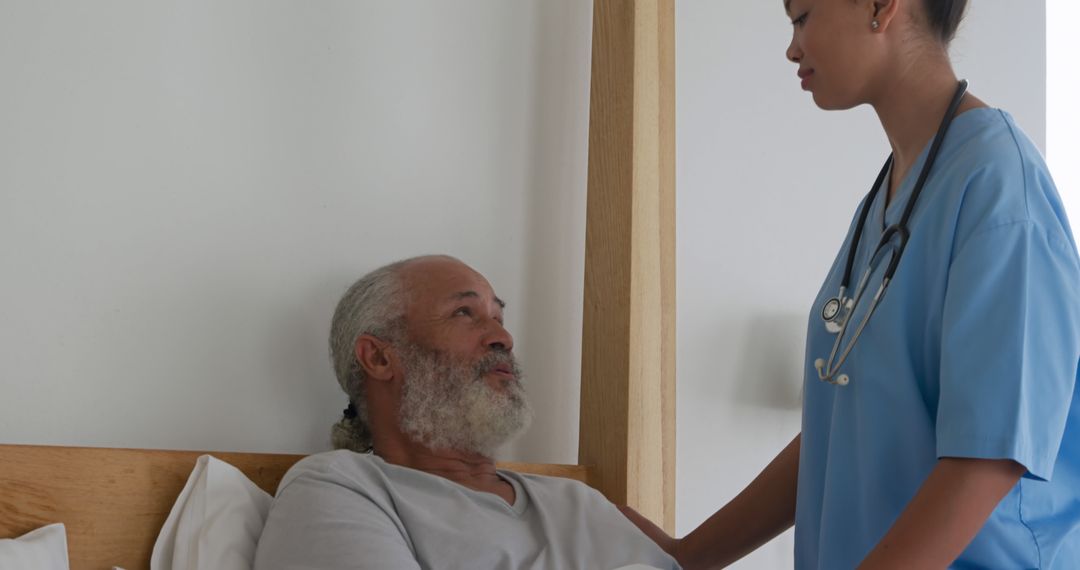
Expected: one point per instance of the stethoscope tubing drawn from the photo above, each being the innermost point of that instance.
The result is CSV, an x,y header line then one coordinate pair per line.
x,y
828,371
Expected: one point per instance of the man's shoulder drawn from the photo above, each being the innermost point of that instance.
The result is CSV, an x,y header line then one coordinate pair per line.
x,y
329,460
556,486
339,466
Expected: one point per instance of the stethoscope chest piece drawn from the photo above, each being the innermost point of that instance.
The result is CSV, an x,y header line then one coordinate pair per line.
x,y
830,313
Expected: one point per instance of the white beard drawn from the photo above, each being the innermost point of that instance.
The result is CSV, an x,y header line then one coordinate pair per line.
x,y
446,404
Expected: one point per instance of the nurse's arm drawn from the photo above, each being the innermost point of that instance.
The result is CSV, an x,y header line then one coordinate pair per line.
x,y
764,509
945,514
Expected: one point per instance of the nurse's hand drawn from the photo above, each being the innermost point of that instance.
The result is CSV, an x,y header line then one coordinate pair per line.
x,y
657,534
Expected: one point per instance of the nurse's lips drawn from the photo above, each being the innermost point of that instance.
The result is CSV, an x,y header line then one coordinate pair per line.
x,y
805,74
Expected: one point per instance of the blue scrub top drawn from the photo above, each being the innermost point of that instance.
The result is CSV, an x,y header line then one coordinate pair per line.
x,y
973,352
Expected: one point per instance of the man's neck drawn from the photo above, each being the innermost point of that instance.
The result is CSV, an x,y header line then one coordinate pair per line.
x,y
471,470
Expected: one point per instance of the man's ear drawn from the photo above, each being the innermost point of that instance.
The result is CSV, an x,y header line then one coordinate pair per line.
x,y
885,11
375,357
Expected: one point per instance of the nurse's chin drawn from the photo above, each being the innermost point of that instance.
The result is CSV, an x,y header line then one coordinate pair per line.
x,y
827,102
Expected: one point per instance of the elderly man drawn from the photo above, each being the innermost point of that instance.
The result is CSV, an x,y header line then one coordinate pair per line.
x,y
420,348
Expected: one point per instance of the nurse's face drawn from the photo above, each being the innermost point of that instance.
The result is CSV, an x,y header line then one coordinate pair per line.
x,y
833,44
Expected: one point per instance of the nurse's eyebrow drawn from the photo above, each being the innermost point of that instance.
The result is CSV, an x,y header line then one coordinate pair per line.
x,y
475,295
787,6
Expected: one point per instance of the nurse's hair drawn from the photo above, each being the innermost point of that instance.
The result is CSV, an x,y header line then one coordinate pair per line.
x,y
374,305
943,17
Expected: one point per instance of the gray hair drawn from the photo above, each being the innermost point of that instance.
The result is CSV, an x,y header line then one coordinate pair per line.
x,y
374,305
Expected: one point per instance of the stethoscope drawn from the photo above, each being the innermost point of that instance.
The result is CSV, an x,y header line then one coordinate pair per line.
x,y
837,311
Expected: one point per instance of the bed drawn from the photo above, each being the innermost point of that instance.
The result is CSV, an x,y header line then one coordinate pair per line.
x,y
114,501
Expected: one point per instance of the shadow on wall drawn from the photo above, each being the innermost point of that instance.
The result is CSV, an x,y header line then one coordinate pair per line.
x,y
770,362
555,251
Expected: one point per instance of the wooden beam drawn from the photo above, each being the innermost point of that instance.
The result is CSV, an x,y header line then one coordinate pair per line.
x,y
627,438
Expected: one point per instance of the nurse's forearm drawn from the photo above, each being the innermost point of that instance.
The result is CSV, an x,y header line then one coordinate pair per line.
x,y
755,516
946,513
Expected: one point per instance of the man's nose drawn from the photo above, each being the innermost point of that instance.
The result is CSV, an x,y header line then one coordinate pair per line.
x,y
498,338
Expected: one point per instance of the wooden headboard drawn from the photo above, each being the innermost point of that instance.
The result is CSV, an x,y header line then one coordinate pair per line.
x,y
113,502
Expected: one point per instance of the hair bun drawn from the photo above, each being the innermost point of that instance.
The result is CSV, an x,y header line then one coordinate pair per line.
x,y
944,17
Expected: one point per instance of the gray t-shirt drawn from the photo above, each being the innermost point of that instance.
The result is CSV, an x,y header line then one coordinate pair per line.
x,y
348,510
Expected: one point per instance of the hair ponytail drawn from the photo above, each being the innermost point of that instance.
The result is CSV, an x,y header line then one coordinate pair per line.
x,y
351,433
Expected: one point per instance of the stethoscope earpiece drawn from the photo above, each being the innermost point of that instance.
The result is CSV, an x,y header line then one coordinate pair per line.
x,y
841,380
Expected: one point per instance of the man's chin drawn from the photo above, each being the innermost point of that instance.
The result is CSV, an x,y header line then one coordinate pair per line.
x,y
511,427
506,417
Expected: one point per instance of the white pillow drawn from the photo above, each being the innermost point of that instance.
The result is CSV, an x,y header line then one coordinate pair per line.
x,y
215,523
41,549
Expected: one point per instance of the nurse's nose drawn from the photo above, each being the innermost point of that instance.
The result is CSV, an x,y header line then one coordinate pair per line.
x,y
794,52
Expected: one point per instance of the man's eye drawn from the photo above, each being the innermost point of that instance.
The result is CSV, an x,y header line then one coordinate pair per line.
x,y
463,311
800,21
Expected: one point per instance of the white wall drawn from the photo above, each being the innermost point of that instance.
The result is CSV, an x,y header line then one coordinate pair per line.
x,y
187,187
767,184
1062,93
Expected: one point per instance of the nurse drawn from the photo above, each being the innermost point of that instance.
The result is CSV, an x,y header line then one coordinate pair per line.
x,y
949,436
